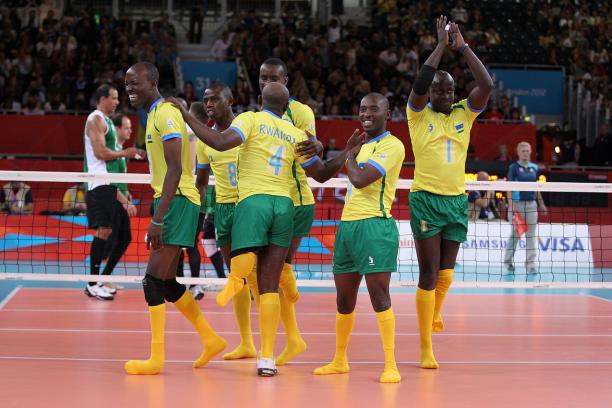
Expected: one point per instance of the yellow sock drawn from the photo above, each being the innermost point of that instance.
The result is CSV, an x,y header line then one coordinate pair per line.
x,y
155,363
242,310
241,266
213,343
445,278
269,315
425,304
344,327
295,343
252,282
288,283
386,326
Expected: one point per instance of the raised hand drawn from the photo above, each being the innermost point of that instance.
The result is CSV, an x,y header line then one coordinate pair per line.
x,y
443,37
355,140
457,39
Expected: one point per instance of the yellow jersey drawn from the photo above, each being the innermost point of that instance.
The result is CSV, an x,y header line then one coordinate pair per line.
x,y
440,143
267,154
386,153
223,166
302,117
164,122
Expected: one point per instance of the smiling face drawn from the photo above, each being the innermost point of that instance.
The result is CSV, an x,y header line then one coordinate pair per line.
x,y
139,86
373,114
442,92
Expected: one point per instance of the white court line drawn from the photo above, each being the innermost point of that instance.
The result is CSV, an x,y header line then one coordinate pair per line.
x,y
52,330
251,361
208,312
9,296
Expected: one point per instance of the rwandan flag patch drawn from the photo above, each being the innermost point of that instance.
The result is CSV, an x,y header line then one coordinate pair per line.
x,y
459,128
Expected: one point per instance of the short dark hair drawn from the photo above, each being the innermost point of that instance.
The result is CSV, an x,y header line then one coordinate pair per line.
x,y
118,119
150,69
103,91
199,110
277,62
225,89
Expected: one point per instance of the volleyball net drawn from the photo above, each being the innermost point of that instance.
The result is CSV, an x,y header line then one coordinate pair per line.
x,y
569,245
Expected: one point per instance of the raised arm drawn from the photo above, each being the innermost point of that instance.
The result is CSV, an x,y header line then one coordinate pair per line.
x,y
322,171
418,95
220,141
479,96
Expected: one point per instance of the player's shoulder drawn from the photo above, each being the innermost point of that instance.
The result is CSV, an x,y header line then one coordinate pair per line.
x,y
298,106
167,108
392,140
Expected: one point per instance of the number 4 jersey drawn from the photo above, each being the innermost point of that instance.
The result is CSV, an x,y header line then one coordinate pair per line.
x,y
224,168
267,154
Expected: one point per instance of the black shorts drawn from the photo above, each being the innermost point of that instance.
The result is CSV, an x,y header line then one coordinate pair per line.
x,y
209,227
101,206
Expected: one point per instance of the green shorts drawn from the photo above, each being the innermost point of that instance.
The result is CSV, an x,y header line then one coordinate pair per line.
x,y
366,246
180,221
263,219
432,214
224,219
302,220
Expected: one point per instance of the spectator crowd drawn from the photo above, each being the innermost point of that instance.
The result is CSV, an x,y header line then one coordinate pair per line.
x,y
53,60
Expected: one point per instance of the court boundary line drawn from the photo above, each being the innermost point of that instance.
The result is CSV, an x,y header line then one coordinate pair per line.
x,y
374,333
208,312
10,296
251,361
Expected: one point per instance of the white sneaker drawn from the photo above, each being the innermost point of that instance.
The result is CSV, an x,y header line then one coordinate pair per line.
x,y
266,367
98,292
197,292
107,289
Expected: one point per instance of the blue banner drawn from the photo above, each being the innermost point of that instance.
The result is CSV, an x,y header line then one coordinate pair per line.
x,y
202,74
540,91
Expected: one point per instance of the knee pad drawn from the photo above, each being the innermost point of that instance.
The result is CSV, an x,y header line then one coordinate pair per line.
x,y
153,290
173,290
242,265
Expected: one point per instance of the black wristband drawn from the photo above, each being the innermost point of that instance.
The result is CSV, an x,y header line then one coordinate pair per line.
x,y
424,80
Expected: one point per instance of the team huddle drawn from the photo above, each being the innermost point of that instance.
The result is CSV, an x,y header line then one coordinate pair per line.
x,y
264,206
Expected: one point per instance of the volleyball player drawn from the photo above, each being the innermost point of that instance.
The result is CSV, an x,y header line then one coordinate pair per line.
x,y
218,101
104,201
173,225
440,134
302,117
367,240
